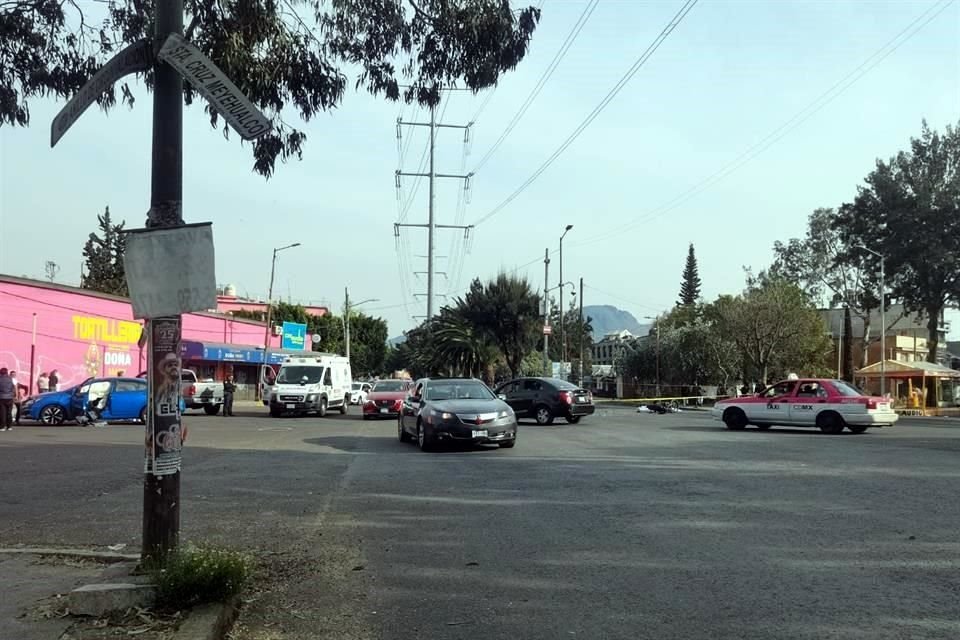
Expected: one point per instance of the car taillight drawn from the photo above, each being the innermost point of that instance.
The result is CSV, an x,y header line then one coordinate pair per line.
x,y
871,403
191,390
566,396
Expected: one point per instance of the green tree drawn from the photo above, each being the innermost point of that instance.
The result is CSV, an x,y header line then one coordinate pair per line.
x,y
103,258
909,211
463,347
690,285
507,311
775,327
368,344
290,56
573,330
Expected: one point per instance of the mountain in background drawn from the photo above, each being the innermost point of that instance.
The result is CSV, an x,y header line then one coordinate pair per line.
x,y
610,319
392,342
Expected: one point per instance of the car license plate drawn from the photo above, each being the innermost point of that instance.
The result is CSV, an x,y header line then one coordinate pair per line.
x,y
384,410
480,433
581,399
291,406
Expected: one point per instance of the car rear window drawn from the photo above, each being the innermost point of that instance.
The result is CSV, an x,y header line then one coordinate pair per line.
x,y
563,385
846,389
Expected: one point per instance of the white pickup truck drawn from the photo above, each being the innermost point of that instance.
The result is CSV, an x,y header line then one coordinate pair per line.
x,y
197,394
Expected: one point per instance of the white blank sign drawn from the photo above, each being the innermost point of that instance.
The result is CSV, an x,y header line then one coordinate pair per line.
x,y
171,271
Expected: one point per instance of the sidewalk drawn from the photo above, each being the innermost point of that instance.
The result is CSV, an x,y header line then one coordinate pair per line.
x,y
29,609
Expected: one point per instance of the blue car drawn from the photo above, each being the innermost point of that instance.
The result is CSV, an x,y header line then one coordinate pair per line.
x,y
126,400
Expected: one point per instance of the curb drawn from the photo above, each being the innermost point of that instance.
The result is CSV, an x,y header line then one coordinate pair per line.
x,y
210,621
105,556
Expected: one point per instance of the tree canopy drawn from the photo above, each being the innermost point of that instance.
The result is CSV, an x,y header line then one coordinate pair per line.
x,y
909,211
286,56
690,285
103,258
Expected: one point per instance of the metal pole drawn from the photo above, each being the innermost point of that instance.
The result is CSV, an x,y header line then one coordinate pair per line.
x,y
430,220
346,321
658,356
266,330
580,373
563,339
883,333
33,353
546,312
161,493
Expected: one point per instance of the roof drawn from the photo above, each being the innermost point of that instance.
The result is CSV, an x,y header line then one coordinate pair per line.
x,y
898,369
897,320
40,284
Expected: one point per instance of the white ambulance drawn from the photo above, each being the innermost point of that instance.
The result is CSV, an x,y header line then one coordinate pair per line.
x,y
313,382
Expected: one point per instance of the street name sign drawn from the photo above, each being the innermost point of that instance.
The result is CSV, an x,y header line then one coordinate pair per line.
x,y
137,57
213,84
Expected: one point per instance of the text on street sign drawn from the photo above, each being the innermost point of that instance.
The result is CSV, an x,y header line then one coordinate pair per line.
x,y
213,84
137,57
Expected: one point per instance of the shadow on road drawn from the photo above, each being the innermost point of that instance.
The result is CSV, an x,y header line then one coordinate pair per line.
x,y
390,445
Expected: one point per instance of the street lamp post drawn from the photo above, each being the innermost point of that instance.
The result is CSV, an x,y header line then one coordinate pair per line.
x,y
266,332
546,294
883,321
346,318
657,319
563,341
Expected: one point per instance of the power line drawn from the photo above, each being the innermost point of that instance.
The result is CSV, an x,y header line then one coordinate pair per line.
x,y
544,77
650,50
789,125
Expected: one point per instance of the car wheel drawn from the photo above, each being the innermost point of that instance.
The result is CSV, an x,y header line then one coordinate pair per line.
x,y
274,413
735,419
53,414
402,434
509,444
763,427
543,415
322,411
573,419
211,409
830,423
343,407
424,440
857,428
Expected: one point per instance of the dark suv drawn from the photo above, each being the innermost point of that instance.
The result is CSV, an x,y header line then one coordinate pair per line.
x,y
544,399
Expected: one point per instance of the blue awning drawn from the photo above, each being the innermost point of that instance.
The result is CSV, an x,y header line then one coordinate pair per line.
x,y
221,352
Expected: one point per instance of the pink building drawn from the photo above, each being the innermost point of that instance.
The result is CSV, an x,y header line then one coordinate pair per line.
x,y
229,304
83,334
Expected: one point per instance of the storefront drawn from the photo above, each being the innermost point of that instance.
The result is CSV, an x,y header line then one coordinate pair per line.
x,y
218,360
81,333
920,387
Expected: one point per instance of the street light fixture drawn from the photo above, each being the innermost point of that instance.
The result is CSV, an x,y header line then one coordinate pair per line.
x,y
883,320
266,332
563,340
347,306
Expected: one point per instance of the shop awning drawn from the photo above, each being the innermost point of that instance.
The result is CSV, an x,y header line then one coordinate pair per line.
x,y
917,369
222,352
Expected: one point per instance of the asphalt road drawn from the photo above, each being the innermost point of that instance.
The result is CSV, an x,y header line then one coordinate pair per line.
x,y
624,526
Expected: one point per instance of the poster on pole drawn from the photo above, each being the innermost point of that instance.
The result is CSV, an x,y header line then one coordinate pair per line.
x,y
170,271
164,441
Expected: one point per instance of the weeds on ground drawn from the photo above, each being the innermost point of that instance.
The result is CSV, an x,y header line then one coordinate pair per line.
x,y
199,574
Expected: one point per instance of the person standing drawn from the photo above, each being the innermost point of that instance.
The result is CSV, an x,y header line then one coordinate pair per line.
x,y
43,383
8,392
229,388
53,382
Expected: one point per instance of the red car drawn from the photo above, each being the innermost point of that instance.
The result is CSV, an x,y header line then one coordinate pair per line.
x,y
385,399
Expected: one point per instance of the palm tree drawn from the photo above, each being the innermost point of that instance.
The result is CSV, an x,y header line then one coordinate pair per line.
x,y
461,347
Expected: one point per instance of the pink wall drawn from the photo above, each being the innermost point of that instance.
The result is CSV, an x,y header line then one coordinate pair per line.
x,y
83,335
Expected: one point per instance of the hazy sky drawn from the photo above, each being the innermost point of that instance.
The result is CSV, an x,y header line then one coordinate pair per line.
x,y
727,78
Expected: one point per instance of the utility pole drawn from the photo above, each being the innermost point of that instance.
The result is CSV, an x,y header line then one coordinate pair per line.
x,y
266,330
580,374
161,491
657,320
546,312
432,175
563,338
346,322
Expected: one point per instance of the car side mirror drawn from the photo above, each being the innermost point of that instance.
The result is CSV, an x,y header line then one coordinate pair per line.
x,y
502,396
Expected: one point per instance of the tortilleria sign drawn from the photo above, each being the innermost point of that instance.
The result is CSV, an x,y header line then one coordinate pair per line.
x,y
213,85
136,57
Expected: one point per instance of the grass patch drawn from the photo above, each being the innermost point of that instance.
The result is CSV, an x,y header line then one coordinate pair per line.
x,y
199,574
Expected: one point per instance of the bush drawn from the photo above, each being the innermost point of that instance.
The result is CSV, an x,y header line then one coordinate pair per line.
x,y
199,574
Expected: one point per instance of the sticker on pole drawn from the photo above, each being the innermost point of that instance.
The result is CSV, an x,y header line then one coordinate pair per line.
x,y
137,57
215,86
170,271
164,432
